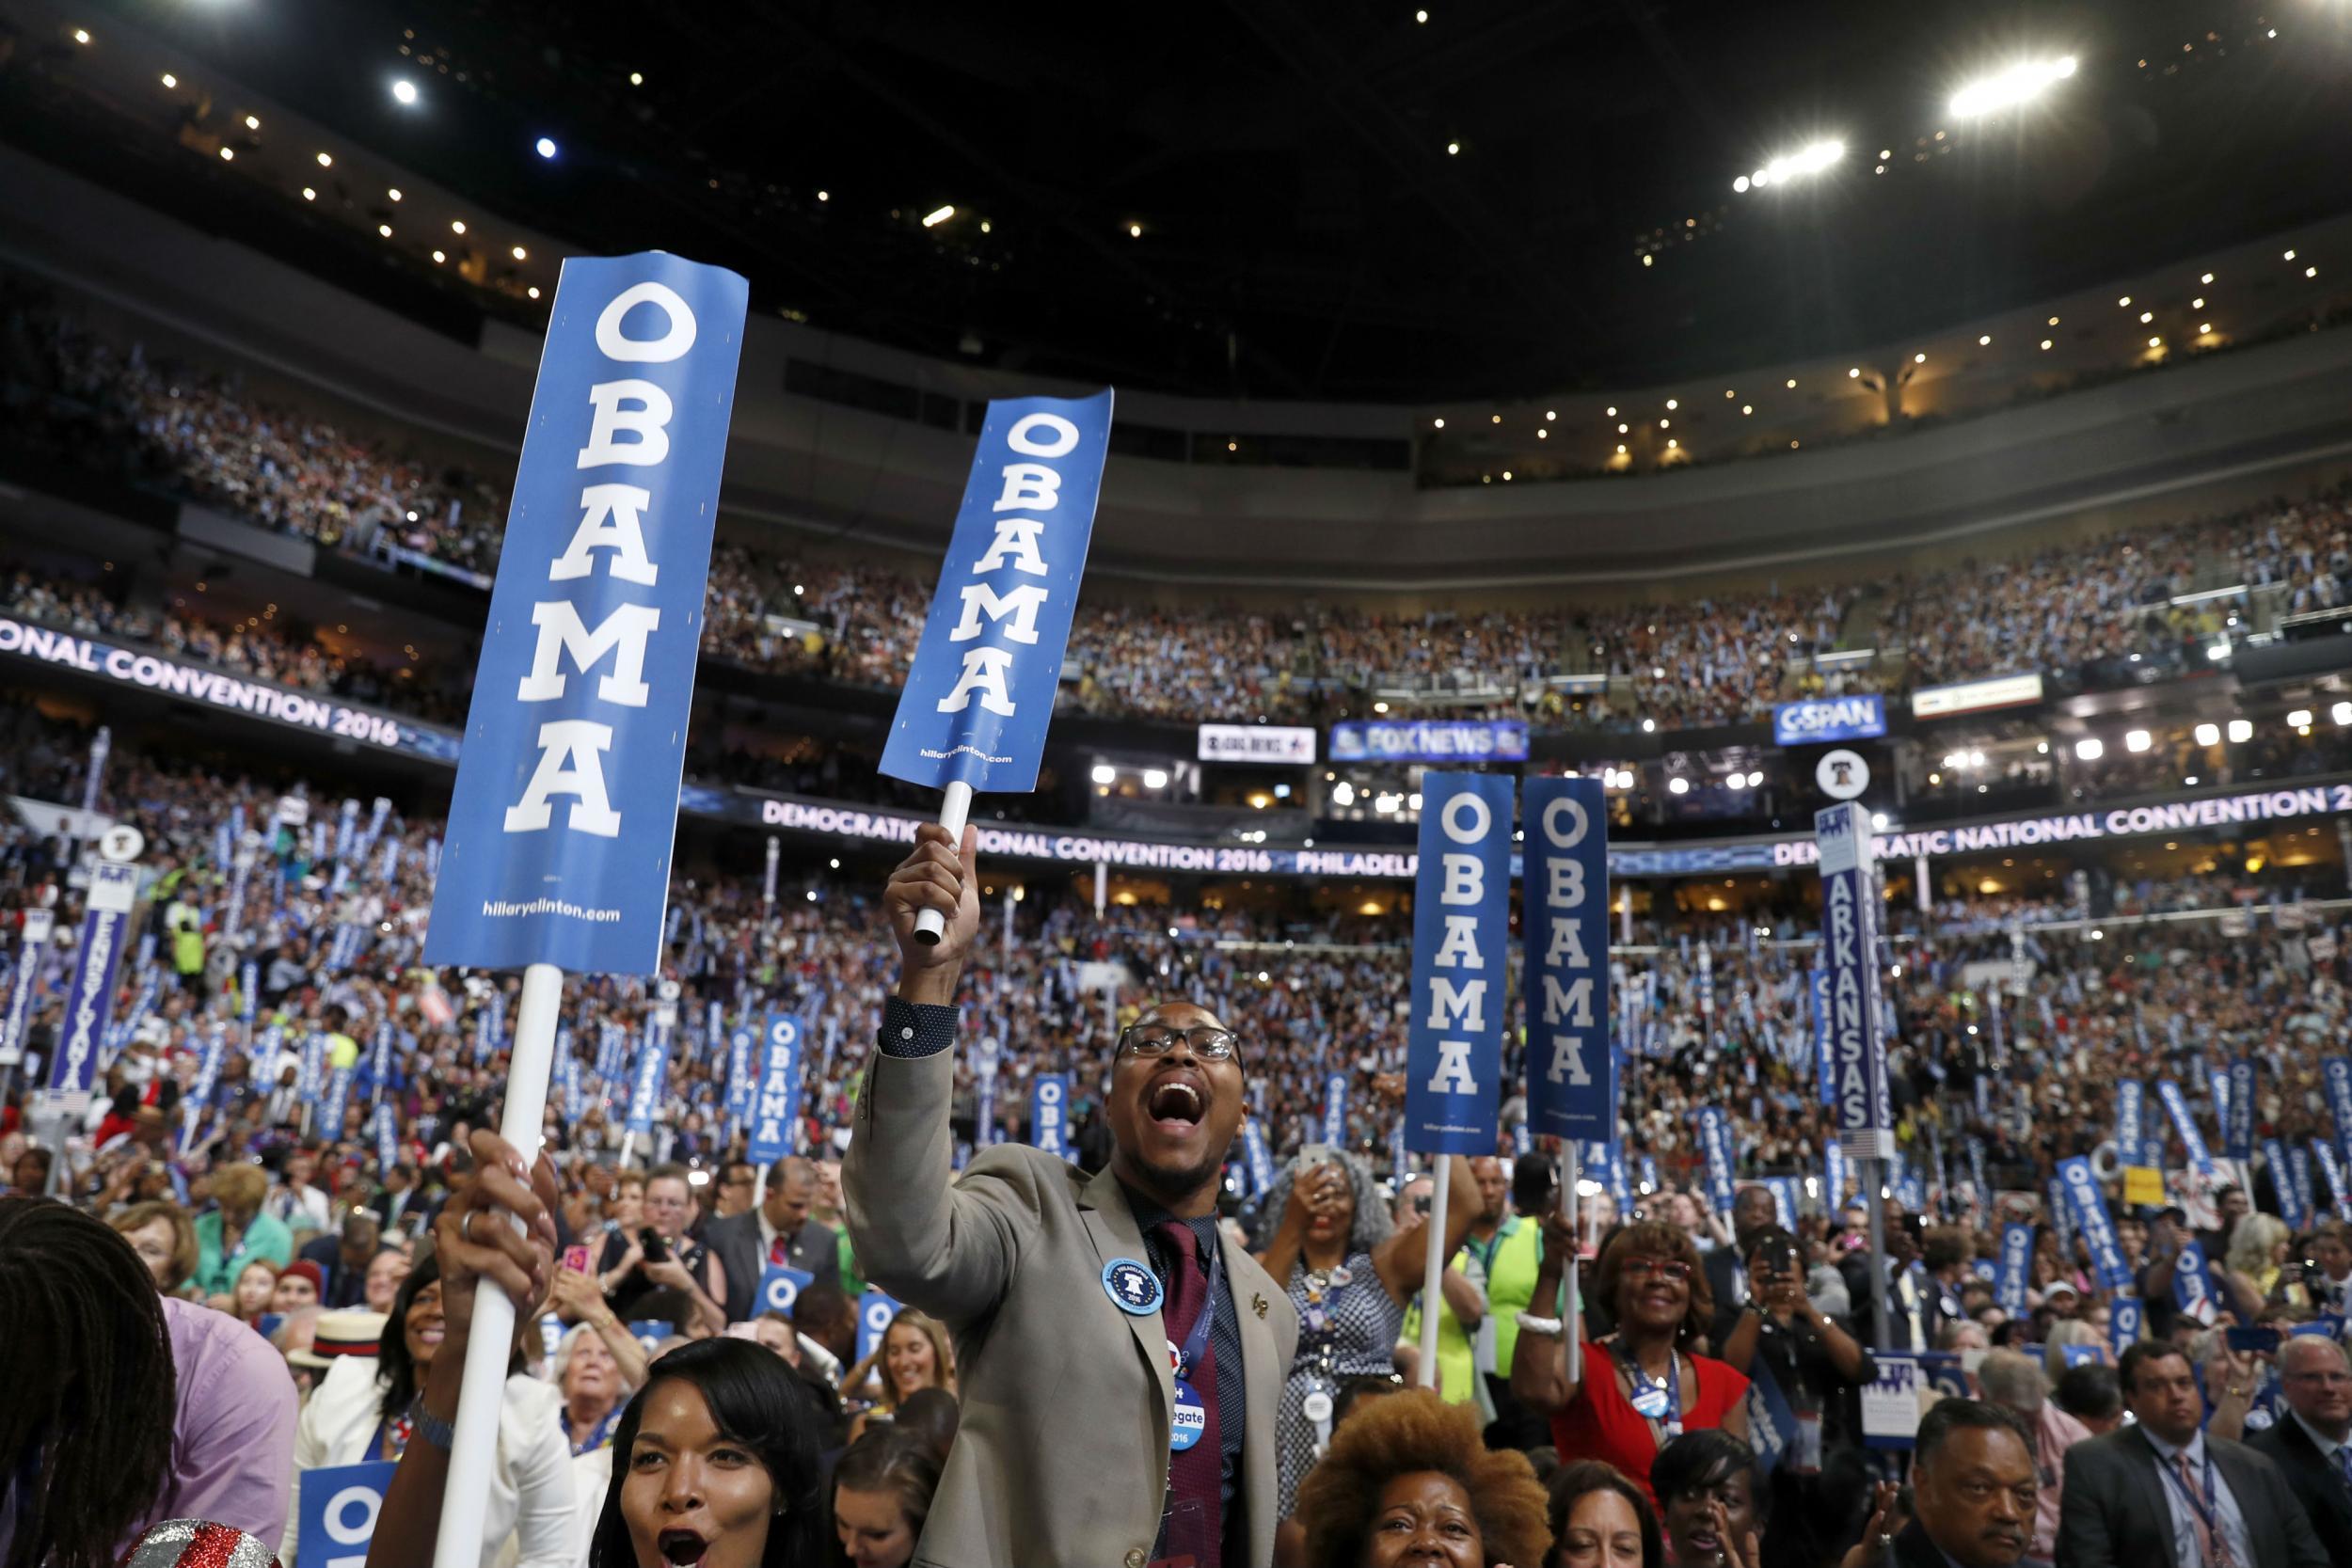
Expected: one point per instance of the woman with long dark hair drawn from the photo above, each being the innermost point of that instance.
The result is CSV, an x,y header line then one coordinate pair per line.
x,y
365,1409
714,1462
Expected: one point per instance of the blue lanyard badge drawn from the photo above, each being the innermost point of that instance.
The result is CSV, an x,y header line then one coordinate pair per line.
x,y
1657,1399
1188,1422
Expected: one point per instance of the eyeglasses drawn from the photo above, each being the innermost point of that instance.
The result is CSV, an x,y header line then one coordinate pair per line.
x,y
1157,1039
1665,1267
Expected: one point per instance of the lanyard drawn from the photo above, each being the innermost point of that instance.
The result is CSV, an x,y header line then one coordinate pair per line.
x,y
1668,1422
1197,1340
2206,1508
597,1437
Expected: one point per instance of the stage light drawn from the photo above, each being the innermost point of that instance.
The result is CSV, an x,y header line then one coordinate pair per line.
x,y
533,291
1677,785
2205,329
1620,449
2020,84
1649,727
2341,713
2137,740
1155,778
2299,718
393,193
403,92
1878,823
938,215
1613,413
1625,430
458,226
253,122
1811,159
1104,773
1854,374
1665,424
228,155
1452,147
2147,316
1747,409
1379,708
1985,341
384,230
2217,652
1551,413
520,254
2290,255
2045,343
544,147
1673,403
1412,801
1344,794
326,160
171,81
2240,730
2207,278
1421,16
1135,230
636,78
1919,359
824,196
2311,272
2155,342
1791,382
81,35
1740,185
1649,260
309,194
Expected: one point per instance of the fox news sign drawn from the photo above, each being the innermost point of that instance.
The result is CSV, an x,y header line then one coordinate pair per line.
x,y
1429,740
1820,721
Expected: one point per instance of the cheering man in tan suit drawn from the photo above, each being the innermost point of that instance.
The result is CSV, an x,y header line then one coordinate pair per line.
x,y
1119,1364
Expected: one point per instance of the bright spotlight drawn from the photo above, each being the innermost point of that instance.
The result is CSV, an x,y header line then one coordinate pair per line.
x,y
2019,84
2208,734
2341,713
2240,730
1155,778
544,147
1104,773
1810,159
2137,740
1677,785
2299,718
2090,748
404,93
934,218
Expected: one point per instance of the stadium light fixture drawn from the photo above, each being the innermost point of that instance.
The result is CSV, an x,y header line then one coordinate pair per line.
x,y
544,147
2090,748
1104,773
2240,730
81,35
1155,778
405,92
2208,734
2137,740
1810,159
938,215
2341,713
1878,823
1677,785
2020,84
1344,794
2300,719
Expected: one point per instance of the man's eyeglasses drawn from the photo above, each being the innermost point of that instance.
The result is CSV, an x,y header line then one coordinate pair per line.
x,y
1665,1267
1157,1039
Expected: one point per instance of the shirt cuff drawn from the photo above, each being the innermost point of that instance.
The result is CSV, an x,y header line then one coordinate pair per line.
x,y
915,1028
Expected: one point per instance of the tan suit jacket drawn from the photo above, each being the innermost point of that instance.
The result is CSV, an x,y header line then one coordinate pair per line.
x,y
1061,1461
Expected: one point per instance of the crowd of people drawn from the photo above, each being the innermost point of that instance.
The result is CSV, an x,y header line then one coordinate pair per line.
x,y
81,394
290,1101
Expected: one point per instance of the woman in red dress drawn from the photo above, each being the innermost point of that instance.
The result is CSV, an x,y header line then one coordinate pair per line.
x,y
1641,1385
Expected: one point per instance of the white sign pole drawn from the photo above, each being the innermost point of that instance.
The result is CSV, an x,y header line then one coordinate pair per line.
x,y
1431,1297
929,925
1569,1313
473,1450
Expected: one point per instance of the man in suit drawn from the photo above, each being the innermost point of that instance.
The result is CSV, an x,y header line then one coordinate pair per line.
x,y
2162,1492
1911,1311
1069,1295
1973,1489
2312,1446
392,1204
1752,1210
776,1230
344,1259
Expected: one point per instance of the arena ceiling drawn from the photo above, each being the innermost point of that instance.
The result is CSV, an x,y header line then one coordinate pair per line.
x,y
1331,198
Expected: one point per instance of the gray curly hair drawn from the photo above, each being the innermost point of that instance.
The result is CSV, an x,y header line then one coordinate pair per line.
x,y
1372,1225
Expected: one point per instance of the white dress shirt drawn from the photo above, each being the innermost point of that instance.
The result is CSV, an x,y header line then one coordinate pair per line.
x,y
2228,1523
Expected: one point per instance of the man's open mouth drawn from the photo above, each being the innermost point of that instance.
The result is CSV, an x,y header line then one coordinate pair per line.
x,y
1177,1103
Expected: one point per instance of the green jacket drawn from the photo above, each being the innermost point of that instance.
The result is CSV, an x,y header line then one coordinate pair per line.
x,y
264,1237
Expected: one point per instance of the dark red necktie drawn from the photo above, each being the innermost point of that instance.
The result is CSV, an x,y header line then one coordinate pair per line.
x,y
1195,1475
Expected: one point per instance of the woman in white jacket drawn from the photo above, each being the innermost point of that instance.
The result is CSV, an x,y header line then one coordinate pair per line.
x,y
360,1411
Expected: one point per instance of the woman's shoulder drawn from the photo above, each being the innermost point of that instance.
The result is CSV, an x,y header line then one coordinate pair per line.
x,y
533,1397
1714,1374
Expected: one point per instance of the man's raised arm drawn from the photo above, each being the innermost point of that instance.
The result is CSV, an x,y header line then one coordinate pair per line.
x,y
943,1246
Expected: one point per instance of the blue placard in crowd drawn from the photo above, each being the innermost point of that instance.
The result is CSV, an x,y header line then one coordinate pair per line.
x,y
1427,740
2131,1121
1849,952
2192,1285
1820,720
2125,1315
2089,1206
333,1105
742,1076
780,1287
1715,1145
1824,1048
387,1139
2283,1182
1049,1112
1571,1072
650,1331
1254,1149
875,1310
32,942
2016,1265
2184,1123
566,806
981,686
113,889
2331,1168
1772,1429
2237,1117
649,1082
2336,1075
1334,1125
776,1105
1461,951
339,1505
1834,1176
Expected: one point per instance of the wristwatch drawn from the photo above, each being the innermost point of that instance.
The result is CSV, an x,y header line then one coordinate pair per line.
x,y
422,1423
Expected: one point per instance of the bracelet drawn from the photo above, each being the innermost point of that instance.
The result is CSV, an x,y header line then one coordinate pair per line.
x,y
1530,1323
423,1423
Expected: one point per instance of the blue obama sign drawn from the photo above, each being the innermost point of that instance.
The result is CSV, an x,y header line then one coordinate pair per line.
x,y
776,1103
1049,1113
1461,945
566,807
1571,1072
981,687
113,889
780,1287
